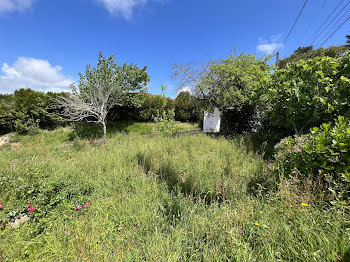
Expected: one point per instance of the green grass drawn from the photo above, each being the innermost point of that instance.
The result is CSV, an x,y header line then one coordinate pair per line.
x,y
186,198
93,131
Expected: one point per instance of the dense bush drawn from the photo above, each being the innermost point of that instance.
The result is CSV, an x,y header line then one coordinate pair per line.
x,y
152,104
165,122
188,108
308,93
25,111
322,154
238,122
308,52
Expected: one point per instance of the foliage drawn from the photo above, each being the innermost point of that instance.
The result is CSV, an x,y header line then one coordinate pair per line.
x,y
29,126
237,122
165,122
100,89
188,108
25,110
7,113
308,93
234,85
323,153
308,52
234,81
152,104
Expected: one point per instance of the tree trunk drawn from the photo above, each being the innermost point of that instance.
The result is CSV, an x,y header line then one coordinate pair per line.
x,y
104,131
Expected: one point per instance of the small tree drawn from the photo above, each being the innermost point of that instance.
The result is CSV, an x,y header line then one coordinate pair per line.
x,y
100,89
232,84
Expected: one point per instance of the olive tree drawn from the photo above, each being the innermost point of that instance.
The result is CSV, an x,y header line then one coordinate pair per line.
x,y
100,89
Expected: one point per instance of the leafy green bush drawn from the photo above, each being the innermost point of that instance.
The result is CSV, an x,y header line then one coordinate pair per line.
x,y
152,104
324,153
188,108
26,110
308,93
165,123
308,52
29,126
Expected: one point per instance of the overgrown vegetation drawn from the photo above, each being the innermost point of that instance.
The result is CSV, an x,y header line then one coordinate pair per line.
x,y
187,198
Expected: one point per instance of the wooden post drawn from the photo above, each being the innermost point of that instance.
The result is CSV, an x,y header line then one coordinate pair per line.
x,y
277,59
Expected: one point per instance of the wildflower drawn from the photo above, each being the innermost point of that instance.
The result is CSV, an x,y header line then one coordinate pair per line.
x,y
78,207
1,206
88,203
260,212
304,204
257,224
31,209
85,206
30,205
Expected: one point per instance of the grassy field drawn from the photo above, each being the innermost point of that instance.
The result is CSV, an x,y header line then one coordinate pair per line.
x,y
185,198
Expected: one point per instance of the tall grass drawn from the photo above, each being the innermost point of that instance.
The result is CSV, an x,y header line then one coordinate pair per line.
x,y
187,198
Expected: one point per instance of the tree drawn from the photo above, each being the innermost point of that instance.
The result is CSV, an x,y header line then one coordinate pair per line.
x,y
228,83
308,52
348,40
308,93
231,84
100,89
233,81
188,108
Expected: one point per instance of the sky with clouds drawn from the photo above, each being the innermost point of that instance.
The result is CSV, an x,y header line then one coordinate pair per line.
x,y
45,44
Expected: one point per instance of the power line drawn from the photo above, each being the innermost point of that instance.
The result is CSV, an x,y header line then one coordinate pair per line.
x,y
327,26
296,20
313,38
335,31
336,24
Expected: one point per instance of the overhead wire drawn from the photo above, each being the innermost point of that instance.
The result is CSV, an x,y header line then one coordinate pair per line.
x,y
312,39
296,20
329,24
336,29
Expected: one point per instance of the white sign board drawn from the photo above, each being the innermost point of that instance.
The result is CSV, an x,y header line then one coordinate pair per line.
x,y
211,123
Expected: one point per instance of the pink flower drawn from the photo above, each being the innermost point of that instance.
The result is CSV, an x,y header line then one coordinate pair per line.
x,y
1,206
85,206
31,209
30,205
88,203
78,207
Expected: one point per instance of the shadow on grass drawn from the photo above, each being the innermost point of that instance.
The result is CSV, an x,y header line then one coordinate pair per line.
x,y
175,182
84,130
346,256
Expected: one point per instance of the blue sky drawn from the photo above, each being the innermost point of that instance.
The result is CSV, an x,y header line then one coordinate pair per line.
x,y
45,44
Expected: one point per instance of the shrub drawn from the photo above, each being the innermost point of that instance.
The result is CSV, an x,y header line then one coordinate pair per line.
x,y
29,126
25,109
152,104
188,108
165,123
323,153
308,93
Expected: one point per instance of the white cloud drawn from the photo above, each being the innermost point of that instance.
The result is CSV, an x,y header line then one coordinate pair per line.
x,y
33,73
185,89
269,46
125,8
14,5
